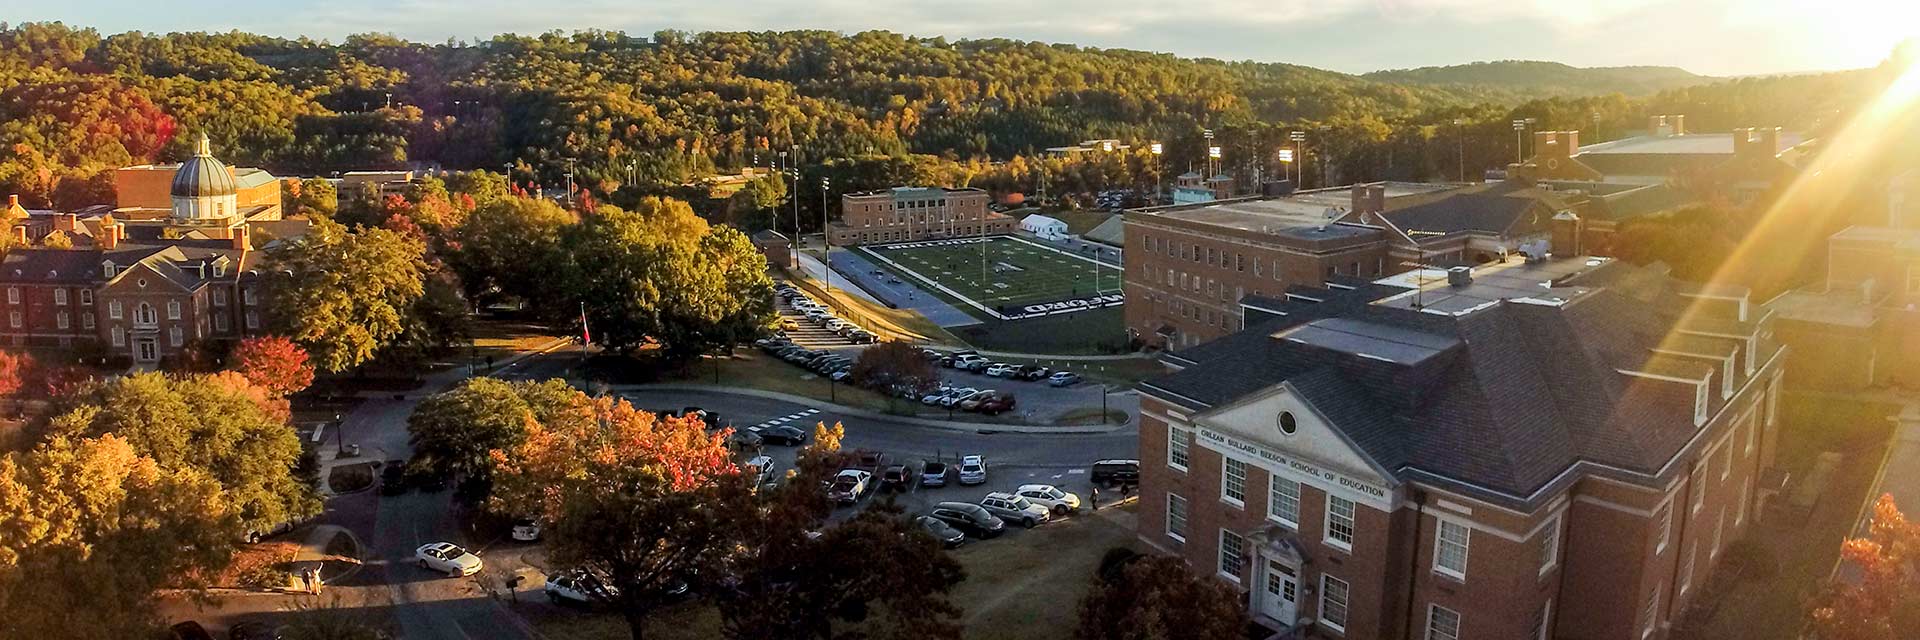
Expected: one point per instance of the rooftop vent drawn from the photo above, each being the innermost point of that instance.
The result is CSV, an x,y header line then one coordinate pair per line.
x,y
1459,276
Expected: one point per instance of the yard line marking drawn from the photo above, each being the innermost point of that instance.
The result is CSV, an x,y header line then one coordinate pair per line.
x,y
1075,472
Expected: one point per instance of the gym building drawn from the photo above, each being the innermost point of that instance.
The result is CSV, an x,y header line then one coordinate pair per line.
x,y
1528,449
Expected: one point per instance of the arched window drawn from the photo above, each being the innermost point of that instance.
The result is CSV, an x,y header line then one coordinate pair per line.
x,y
144,314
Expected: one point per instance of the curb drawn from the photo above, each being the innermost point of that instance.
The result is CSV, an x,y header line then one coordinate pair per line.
x,y
973,427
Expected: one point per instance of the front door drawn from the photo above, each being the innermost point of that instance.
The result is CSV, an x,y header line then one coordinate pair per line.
x,y
1281,592
149,350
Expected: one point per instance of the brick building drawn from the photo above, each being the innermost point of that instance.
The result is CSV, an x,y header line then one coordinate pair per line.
x,y
1189,266
1526,450
140,285
903,214
1861,327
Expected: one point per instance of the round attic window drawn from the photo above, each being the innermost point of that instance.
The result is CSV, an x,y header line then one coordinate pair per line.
x,y
141,282
1287,425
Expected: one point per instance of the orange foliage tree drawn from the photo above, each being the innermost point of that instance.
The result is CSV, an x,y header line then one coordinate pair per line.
x,y
14,369
639,500
273,363
1881,600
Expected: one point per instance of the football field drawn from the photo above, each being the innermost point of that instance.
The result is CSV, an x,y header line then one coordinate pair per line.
x,y
1003,276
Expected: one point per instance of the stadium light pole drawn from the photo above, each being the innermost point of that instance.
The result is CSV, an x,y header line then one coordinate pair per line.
x,y
826,239
1299,161
1519,129
1159,173
1460,134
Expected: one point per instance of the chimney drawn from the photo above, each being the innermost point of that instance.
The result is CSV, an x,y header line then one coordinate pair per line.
x,y
1377,198
13,201
1544,145
20,234
1360,199
1657,126
1459,276
1679,125
1741,138
65,222
1568,142
240,240
110,234
1568,235
1769,142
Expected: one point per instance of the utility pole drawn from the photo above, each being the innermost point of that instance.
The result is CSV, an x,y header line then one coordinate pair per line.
x,y
825,237
794,165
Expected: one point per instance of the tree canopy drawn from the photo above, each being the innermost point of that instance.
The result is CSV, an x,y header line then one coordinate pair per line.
x,y
344,293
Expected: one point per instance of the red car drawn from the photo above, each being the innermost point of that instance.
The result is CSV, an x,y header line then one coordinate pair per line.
x,y
995,404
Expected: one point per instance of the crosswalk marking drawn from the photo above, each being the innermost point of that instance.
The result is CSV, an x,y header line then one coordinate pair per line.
x,y
783,420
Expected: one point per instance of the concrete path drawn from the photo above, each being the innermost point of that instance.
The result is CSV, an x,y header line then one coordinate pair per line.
x,y
1901,474
817,270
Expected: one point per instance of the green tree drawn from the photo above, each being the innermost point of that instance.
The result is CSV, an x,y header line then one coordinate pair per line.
x,y
509,247
344,295
455,430
661,273
310,197
221,427
92,529
1149,597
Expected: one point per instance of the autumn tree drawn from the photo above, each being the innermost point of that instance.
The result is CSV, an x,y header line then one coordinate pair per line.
x,y
642,501
15,369
93,528
345,293
891,363
1883,602
219,426
661,273
456,431
502,244
311,196
1138,597
273,363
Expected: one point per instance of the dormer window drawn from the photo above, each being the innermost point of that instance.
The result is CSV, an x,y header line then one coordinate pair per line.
x,y
107,268
220,269
51,274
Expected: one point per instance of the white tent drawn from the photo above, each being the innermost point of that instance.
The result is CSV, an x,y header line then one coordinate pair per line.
x,y
1045,227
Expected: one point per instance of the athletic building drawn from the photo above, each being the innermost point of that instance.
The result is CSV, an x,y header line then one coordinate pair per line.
x,y
1525,450
904,214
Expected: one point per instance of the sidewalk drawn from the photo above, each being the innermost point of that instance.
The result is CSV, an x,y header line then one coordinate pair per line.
x,y
950,425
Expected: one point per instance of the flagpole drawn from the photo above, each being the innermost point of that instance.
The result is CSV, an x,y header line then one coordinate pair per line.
x,y
586,338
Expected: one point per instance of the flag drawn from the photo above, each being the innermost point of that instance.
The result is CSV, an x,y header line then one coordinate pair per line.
x,y
586,335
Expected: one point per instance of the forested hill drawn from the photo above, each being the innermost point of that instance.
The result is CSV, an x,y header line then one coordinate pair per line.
x,y
1528,79
639,113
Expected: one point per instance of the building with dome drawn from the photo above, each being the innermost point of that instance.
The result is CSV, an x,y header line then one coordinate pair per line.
x,y
173,263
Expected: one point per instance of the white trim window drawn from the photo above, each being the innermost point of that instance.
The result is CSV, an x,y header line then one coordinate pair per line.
x,y
1442,623
1699,488
1542,622
86,296
1233,481
1176,517
175,336
1719,531
1340,522
219,297
86,320
113,309
60,297
1650,616
13,295
246,295
14,319
1283,501
253,320
119,337
1550,545
62,320
1726,466
1746,493
1333,603
220,322
1233,555
173,309
1753,431
1450,542
1177,439
1686,567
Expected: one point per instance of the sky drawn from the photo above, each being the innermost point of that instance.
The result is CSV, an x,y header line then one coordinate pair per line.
x,y
1710,37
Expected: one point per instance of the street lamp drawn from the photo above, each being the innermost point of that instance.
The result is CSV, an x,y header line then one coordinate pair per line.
x,y
1460,134
1212,151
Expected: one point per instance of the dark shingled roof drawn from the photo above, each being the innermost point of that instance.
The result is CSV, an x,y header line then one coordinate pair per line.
x,y
1492,208
1497,402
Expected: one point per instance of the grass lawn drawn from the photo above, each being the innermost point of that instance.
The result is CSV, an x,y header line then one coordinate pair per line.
x,y
1022,587
1805,550
1091,332
750,368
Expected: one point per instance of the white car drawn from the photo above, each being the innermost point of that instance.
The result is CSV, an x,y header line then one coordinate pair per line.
x,y
963,396
448,558
967,360
1049,496
578,587
848,486
526,530
973,470
941,397
1002,370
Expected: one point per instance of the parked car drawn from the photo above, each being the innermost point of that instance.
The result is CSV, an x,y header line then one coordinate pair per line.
x,y
948,536
841,374
190,630
1063,379
578,587
1032,372
448,558
996,405
1013,508
972,402
975,366
526,530
1049,496
955,400
1002,370
967,361
863,337
254,630
942,396
970,518
788,435
1115,472
849,486
393,478
973,470
744,439
761,469
934,474
897,477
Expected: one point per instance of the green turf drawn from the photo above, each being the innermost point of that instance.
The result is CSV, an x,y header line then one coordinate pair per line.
x,y
1004,272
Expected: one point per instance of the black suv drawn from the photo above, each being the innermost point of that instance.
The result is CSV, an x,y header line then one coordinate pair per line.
x,y
970,518
1109,472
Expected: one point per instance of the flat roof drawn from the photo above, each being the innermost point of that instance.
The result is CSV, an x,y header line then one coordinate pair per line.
x,y
1370,340
1306,214
1689,144
1906,238
1515,281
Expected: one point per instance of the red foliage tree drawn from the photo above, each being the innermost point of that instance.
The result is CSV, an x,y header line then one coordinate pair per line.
x,y
273,363
15,368
1883,603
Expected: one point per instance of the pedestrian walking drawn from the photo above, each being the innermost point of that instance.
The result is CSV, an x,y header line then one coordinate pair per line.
x,y
313,578
1095,495
1125,488
306,582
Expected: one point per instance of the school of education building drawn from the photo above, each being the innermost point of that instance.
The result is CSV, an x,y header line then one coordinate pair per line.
x,y
1528,449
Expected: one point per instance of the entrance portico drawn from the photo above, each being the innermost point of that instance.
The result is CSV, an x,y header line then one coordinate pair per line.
x,y
1278,586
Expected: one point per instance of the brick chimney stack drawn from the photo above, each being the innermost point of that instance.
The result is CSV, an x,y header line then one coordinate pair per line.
x,y
13,200
1679,125
1568,143
1543,145
1742,139
1377,198
1657,126
240,239
1769,142
66,222
110,234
